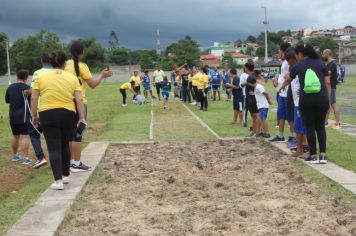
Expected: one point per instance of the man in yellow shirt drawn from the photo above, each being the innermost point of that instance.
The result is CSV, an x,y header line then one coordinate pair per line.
x,y
203,89
137,81
195,83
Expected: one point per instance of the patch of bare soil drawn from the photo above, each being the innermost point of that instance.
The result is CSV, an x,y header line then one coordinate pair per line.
x,y
10,180
213,188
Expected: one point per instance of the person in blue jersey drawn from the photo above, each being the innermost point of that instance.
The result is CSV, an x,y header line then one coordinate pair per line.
x,y
216,83
146,81
238,100
342,74
226,80
166,89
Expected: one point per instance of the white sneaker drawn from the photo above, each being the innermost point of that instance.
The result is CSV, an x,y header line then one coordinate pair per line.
x,y
124,105
65,179
57,186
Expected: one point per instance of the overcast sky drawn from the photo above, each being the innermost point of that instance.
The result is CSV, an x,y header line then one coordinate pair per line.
x,y
135,21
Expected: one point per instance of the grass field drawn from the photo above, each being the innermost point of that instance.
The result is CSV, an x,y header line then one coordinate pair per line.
x,y
21,186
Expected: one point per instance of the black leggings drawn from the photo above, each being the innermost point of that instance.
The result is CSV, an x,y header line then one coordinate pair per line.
x,y
158,88
314,109
203,98
57,125
123,93
196,92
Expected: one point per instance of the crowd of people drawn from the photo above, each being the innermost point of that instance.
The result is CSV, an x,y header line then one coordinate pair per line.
x,y
55,104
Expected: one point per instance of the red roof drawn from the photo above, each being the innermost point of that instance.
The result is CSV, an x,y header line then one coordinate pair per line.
x,y
237,54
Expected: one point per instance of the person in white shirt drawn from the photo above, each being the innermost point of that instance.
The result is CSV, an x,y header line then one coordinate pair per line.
x,y
158,76
283,113
263,101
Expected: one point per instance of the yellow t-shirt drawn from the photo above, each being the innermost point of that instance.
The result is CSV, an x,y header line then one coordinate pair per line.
x,y
203,81
158,75
84,74
196,77
137,80
126,86
178,79
56,88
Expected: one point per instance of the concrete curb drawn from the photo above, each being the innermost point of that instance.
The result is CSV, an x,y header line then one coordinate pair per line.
x,y
45,216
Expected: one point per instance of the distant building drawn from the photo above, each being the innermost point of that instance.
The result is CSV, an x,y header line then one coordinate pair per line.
x,y
210,60
218,49
349,49
239,58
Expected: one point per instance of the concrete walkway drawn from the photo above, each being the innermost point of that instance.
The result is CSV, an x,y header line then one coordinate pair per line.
x,y
338,174
45,216
348,129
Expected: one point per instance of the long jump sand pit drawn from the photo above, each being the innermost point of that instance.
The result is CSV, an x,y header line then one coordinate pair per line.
x,y
213,188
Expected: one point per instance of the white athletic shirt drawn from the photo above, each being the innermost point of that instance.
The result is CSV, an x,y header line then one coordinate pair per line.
x,y
295,90
281,78
260,97
243,79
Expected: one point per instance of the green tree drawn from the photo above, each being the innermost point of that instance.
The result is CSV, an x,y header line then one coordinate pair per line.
x,y
251,39
167,63
119,56
272,49
146,60
3,56
229,61
322,43
26,52
184,51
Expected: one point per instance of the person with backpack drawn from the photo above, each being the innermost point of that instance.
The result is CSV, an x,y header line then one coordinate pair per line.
x,y
313,101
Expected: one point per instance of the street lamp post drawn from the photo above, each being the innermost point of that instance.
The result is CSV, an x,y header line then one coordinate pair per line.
x,y
8,60
265,22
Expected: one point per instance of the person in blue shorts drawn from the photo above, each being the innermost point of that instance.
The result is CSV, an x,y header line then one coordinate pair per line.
x,y
166,89
146,81
216,83
238,98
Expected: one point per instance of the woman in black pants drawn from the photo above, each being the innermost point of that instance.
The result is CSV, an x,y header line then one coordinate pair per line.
x,y
203,89
57,89
313,105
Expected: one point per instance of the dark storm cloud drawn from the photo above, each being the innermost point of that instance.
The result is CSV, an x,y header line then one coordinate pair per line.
x,y
135,21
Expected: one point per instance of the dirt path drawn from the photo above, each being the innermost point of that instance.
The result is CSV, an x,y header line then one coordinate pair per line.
x,y
213,188
176,124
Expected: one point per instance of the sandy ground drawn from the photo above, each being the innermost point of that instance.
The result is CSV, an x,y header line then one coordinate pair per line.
x,y
213,188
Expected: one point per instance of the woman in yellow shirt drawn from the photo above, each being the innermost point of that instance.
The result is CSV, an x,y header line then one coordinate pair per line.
x,y
57,89
127,86
82,72
203,89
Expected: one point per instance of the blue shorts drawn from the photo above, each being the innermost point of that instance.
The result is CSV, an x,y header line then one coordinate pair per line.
x,y
165,95
263,113
216,87
282,110
146,87
238,103
299,127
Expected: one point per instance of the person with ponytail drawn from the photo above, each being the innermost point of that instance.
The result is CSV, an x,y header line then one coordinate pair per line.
x,y
313,101
85,78
61,97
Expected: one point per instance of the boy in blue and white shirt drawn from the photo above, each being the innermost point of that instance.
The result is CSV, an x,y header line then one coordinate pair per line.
x,y
166,89
216,83
146,81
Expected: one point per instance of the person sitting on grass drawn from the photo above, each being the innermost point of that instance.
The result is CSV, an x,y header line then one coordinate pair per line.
x,y
166,89
146,81
16,97
263,101
127,86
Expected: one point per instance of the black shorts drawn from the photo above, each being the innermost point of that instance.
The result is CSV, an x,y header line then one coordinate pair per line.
x,y
137,89
290,105
74,137
19,129
238,103
251,104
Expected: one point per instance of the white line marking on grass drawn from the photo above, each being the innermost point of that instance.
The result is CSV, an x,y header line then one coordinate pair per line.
x,y
202,122
151,124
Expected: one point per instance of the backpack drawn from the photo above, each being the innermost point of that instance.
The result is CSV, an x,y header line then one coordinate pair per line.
x,y
311,82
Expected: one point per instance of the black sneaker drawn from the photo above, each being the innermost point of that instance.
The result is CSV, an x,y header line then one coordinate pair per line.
x,y
79,168
260,135
323,159
305,148
277,139
266,136
312,160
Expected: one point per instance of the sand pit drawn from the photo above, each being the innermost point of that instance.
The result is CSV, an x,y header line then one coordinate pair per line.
x,y
213,188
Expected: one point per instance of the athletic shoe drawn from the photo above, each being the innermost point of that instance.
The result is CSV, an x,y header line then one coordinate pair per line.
x,y
40,163
277,139
312,160
335,126
57,186
326,125
80,168
277,126
16,158
323,159
260,135
305,148
124,105
27,161
193,103
65,179
266,136
292,144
